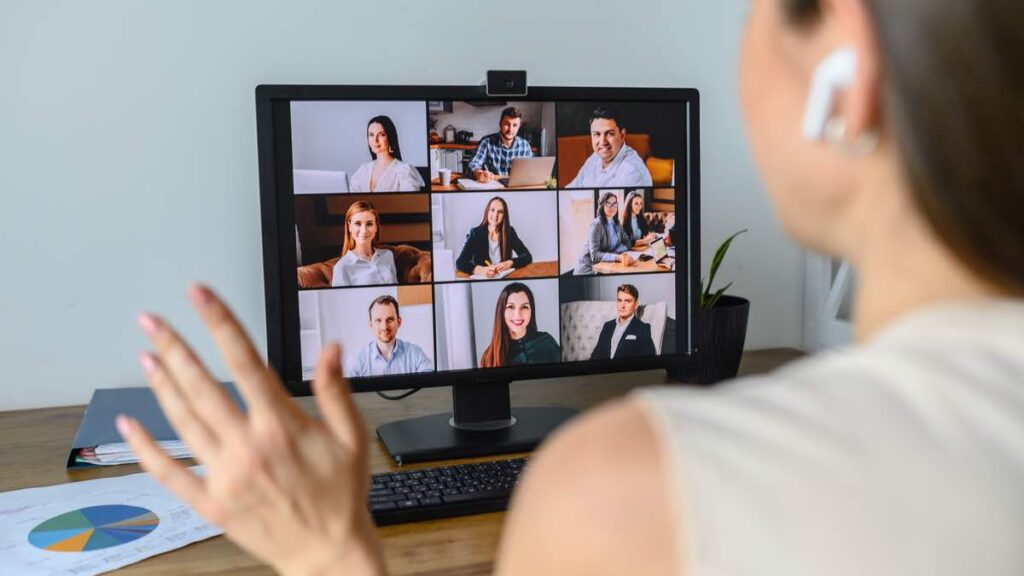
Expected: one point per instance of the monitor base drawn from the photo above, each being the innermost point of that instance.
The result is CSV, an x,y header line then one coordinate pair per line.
x,y
435,438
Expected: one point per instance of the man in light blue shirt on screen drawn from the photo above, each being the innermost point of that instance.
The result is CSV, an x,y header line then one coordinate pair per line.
x,y
387,354
613,163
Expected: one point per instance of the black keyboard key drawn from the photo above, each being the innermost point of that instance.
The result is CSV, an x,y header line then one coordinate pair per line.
x,y
383,506
408,503
431,501
475,496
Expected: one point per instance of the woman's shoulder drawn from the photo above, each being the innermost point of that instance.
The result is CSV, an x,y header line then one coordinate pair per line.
x,y
541,339
407,172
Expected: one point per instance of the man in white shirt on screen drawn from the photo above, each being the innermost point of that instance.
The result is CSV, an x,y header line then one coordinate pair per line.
x,y
387,354
613,163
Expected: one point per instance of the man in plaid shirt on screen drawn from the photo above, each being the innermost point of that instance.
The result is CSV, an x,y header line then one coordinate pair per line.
x,y
495,152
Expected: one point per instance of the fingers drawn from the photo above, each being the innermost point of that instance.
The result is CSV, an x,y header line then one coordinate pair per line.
x,y
182,372
258,385
194,430
334,399
174,475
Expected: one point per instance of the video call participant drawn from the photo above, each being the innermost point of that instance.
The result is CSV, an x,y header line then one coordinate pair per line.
x,y
634,224
626,336
489,247
362,263
515,338
386,171
495,152
613,163
605,238
387,353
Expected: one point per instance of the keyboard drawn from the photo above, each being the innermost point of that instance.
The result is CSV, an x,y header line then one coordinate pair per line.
x,y
443,492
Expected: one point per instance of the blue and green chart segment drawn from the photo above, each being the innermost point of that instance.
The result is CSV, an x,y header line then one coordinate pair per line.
x,y
93,528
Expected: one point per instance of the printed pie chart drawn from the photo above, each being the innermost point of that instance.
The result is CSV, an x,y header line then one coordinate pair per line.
x,y
93,528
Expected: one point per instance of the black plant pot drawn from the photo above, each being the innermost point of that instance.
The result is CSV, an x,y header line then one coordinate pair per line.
x,y
719,335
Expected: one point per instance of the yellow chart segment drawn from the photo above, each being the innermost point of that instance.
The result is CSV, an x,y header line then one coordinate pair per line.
x,y
74,544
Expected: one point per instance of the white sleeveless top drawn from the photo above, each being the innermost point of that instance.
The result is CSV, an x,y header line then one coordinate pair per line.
x,y
901,456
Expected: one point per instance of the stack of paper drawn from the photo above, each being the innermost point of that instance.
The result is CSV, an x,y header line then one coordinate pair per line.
x,y
120,453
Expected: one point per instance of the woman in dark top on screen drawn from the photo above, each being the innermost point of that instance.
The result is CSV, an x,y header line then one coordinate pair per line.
x,y
634,224
489,247
515,338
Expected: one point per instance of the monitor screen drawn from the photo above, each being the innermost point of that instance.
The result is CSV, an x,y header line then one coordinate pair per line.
x,y
437,235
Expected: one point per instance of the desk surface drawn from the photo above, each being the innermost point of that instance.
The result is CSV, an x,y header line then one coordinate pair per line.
x,y
435,186
34,445
531,270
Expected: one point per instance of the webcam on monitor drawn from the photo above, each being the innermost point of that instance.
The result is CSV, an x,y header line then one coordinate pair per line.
x,y
506,83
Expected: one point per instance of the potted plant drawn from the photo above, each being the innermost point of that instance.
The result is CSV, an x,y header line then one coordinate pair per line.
x,y
720,325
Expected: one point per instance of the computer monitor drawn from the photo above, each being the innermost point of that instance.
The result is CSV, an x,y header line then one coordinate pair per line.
x,y
370,241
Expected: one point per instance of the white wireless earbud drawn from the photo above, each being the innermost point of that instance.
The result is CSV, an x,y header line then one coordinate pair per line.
x,y
836,72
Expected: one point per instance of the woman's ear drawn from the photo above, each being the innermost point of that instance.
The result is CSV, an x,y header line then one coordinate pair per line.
x,y
851,30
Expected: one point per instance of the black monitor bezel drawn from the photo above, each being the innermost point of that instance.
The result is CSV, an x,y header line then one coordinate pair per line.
x,y
280,284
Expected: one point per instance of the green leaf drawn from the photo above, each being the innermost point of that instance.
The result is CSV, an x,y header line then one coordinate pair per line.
x,y
717,261
713,301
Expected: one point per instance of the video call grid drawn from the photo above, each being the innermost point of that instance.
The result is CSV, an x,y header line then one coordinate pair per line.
x,y
430,190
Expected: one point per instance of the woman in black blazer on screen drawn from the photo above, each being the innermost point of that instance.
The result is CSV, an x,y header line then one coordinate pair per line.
x,y
490,246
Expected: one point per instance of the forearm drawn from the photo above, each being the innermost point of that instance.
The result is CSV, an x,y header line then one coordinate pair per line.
x,y
523,256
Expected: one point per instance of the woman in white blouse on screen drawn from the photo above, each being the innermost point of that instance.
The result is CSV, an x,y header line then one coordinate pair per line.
x,y
362,263
386,172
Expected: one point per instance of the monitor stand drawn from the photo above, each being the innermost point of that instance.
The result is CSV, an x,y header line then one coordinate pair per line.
x,y
483,423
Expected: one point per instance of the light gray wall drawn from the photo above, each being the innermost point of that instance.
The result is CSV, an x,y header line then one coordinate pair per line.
x,y
128,151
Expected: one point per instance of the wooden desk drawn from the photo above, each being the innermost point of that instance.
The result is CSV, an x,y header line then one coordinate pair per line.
x,y
635,268
34,446
548,269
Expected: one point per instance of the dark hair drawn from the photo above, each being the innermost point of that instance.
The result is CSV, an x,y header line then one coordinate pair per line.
x,y
511,112
629,289
384,300
626,214
959,144
503,231
606,114
600,205
496,351
392,134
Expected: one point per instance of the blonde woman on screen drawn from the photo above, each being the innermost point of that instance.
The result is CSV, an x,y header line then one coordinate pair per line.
x,y
386,172
900,455
362,262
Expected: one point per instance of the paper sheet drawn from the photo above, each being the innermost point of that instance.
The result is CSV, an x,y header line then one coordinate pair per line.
x,y
93,526
497,276
470,184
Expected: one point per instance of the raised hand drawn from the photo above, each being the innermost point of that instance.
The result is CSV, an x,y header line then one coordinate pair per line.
x,y
289,489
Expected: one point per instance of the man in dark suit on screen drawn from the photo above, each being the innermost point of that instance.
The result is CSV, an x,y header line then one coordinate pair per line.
x,y
625,336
